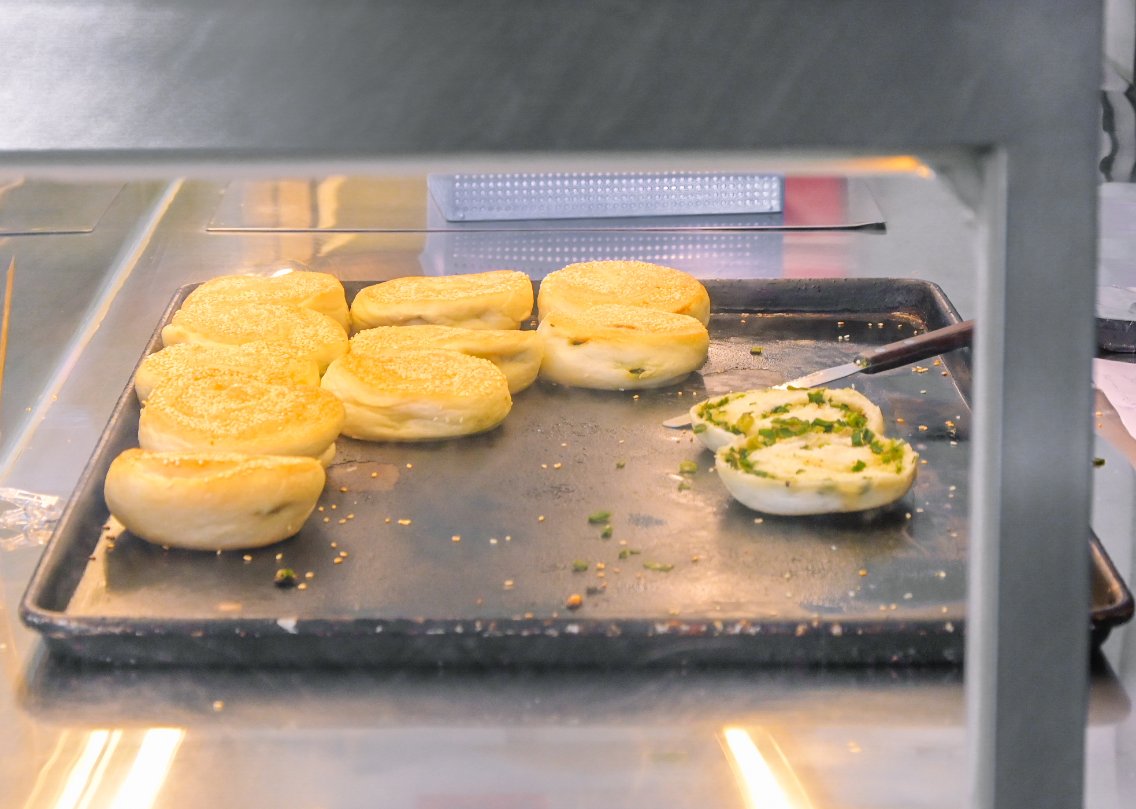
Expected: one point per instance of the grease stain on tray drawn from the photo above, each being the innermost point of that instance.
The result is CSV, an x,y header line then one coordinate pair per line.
x,y
363,476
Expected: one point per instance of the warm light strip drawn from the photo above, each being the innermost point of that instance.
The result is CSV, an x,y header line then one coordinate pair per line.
x,y
80,775
762,791
151,766
88,783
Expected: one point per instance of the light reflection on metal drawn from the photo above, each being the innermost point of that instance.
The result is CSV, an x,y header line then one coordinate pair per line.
x,y
767,780
106,768
87,771
148,772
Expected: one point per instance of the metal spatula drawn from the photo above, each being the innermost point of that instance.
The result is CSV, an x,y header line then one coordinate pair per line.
x,y
874,360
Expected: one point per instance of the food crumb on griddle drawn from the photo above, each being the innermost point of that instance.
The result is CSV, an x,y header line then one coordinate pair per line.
x,y
574,601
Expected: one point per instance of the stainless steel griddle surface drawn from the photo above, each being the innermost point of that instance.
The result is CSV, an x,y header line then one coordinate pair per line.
x,y
466,552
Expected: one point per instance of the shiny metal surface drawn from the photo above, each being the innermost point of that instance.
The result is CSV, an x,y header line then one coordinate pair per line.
x,y
882,737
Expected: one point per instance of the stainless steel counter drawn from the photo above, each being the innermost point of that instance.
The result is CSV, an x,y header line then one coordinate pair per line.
x,y
78,735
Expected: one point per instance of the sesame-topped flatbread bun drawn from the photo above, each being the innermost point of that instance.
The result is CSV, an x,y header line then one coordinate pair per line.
x,y
499,299
579,287
418,395
617,347
723,419
318,291
517,353
267,362
212,501
816,472
214,413
306,333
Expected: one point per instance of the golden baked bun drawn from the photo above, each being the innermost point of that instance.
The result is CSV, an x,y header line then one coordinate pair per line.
x,y
722,420
218,413
218,321
817,472
263,361
212,501
617,347
318,291
499,299
418,395
517,353
579,287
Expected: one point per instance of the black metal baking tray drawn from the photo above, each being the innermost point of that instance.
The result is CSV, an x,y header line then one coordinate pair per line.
x,y
465,552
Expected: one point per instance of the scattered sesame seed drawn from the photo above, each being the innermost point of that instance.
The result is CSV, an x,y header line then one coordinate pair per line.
x,y
302,586
247,557
218,705
557,465
863,572
337,560
342,488
374,474
343,521
508,585
311,574
456,538
405,521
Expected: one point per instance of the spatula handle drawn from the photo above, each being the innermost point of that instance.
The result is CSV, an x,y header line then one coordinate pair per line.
x,y
920,347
